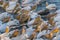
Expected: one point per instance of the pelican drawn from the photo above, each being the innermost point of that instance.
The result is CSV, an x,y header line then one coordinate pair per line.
x,y
26,1
51,7
13,24
50,35
12,6
5,17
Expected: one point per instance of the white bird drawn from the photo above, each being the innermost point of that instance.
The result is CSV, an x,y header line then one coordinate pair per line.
x,y
26,8
57,18
12,23
57,37
26,1
4,36
39,39
3,27
30,22
33,15
41,33
29,31
4,15
58,11
12,5
51,7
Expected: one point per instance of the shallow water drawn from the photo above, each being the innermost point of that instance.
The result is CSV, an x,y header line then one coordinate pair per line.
x,y
39,7
57,2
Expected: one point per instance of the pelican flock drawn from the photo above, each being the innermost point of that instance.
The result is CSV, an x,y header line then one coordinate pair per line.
x,y
29,20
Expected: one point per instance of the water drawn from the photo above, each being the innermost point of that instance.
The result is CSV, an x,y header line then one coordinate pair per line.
x,y
57,2
39,7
